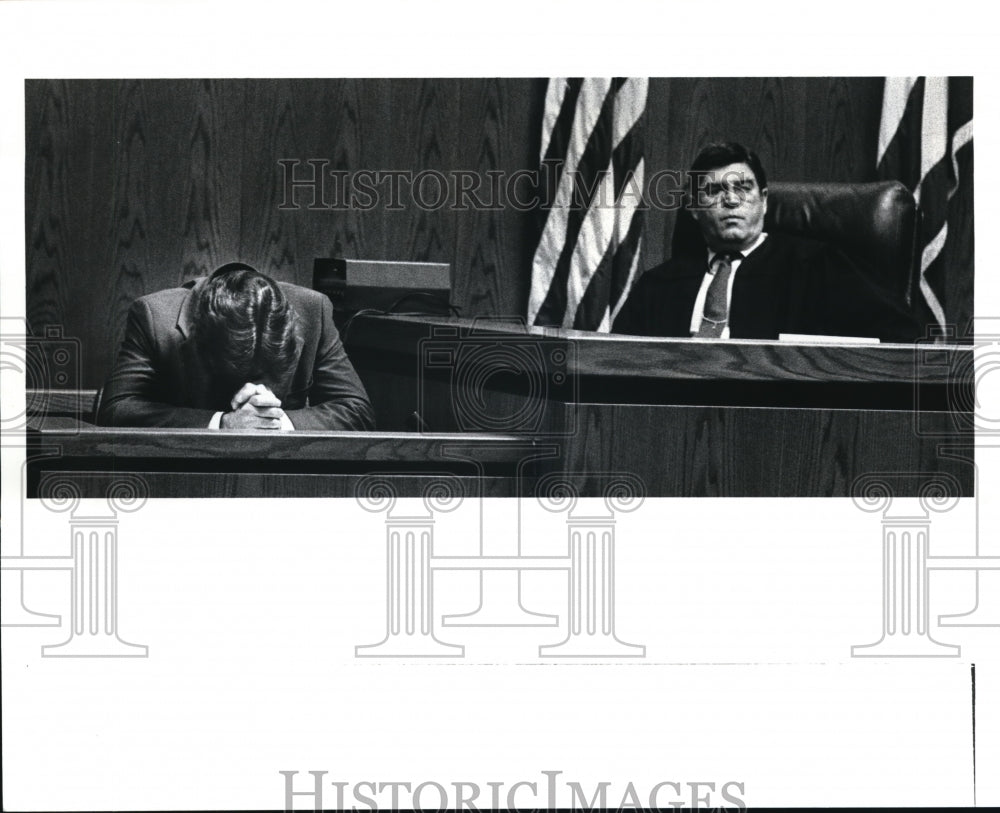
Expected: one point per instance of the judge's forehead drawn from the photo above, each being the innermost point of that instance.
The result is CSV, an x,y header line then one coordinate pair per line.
x,y
731,173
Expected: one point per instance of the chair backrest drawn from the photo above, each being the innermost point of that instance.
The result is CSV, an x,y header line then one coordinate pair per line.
x,y
876,223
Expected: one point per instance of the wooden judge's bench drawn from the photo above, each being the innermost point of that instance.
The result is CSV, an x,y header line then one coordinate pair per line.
x,y
496,406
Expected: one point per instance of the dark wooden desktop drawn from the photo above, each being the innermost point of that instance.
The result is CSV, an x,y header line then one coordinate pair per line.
x,y
208,463
688,417
495,406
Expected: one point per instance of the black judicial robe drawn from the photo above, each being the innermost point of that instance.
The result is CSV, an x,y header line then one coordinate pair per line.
x,y
787,285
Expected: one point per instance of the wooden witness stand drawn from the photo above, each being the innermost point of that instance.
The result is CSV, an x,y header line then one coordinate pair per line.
x,y
496,406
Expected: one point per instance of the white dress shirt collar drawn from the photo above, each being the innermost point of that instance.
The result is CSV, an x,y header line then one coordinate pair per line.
x,y
699,302
756,244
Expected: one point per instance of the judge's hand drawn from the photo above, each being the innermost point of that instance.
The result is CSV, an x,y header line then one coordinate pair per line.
x,y
254,407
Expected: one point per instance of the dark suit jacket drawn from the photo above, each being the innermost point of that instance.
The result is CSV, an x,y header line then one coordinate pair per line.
x,y
788,285
160,380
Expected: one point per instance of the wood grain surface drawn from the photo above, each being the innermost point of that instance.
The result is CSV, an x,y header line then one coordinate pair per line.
x,y
673,451
214,485
686,451
203,463
76,404
730,446
648,357
84,441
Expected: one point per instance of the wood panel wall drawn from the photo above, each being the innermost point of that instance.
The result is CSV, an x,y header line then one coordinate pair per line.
x,y
137,185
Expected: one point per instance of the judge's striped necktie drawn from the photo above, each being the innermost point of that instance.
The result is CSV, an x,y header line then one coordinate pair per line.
x,y
715,316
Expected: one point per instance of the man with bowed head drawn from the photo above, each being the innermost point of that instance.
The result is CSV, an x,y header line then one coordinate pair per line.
x,y
743,283
235,350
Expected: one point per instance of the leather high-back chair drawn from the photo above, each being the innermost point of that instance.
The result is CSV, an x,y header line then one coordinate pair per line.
x,y
874,223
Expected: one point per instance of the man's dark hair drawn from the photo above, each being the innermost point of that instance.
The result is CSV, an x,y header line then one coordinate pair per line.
x,y
723,153
246,329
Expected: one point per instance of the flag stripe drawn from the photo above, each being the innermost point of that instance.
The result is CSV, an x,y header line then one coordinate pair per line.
x,y
593,304
901,158
555,146
628,143
612,280
630,100
627,259
591,247
959,102
579,183
633,270
629,185
613,276
930,253
933,128
554,95
554,235
934,125
894,102
935,244
934,205
587,253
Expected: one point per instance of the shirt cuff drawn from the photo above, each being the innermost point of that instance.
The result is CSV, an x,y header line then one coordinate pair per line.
x,y
216,422
286,424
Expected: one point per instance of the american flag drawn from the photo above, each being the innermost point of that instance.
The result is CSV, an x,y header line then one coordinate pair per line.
x,y
591,156
926,124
